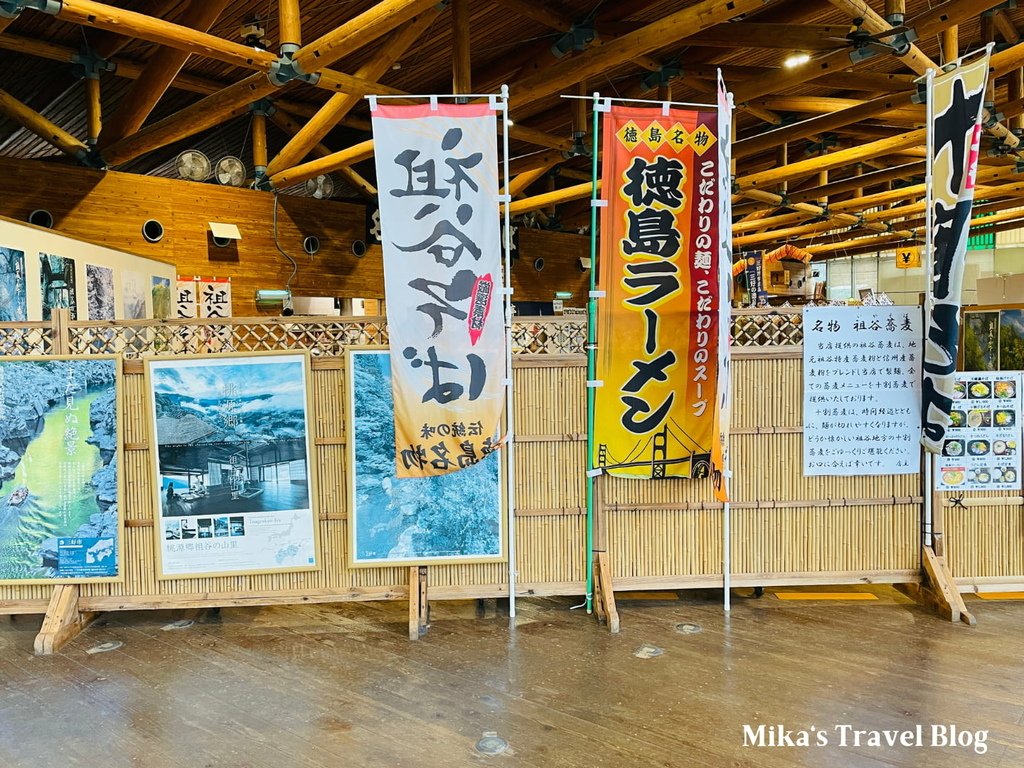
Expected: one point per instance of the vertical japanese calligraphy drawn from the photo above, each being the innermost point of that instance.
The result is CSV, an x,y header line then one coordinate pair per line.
x,y
437,171
657,324
955,130
862,391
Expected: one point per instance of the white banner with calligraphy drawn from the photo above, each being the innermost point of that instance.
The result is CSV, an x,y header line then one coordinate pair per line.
x,y
437,175
185,305
862,390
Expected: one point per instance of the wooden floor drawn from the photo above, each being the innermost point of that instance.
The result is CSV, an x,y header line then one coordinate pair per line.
x,y
343,687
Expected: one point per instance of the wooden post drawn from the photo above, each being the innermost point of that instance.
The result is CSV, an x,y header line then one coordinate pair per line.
x,y
945,597
63,620
462,71
419,608
823,182
604,592
93,109
60,340
289,25
259,143
949,44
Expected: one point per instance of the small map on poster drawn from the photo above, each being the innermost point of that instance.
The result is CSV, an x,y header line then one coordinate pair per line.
x,y
981,451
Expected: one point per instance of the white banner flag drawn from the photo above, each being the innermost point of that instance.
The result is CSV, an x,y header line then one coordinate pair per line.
x,y
437,175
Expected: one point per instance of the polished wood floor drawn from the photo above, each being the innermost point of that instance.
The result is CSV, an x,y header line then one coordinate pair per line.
x,y
343,687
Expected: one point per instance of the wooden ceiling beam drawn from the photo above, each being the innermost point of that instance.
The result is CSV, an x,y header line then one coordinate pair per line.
x,y
93,109
340,104
875,25
546,199
850,81
1005,27
107,43
750,34
158,75
905,111
42,127
926,24
568,71
289,24
829,122
332,162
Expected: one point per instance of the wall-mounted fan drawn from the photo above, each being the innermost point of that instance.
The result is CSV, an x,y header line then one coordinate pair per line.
x,y
193,165
230,171
321,187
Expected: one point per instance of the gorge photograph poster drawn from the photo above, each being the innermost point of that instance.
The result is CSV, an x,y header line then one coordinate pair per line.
x,y
59,475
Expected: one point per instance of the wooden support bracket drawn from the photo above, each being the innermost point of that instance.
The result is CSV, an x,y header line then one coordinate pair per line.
x,y
63,620
419,608
940,591
604,593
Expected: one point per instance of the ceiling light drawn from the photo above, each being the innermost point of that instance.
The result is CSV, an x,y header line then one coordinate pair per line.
x,y
796,59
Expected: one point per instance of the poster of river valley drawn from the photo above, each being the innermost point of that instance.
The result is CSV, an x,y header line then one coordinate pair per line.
x,y
59,489
234,490
448,518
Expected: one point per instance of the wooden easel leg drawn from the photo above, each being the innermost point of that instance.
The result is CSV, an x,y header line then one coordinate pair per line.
x,y
63,620
597,599
419,607
606,590
940,592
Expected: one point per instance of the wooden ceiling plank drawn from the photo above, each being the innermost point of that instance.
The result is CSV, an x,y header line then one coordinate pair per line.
x,y
45,129
158,75
539,12
568,71
341,104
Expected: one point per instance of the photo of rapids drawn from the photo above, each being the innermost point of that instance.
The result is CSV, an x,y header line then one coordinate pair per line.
x,y
58,469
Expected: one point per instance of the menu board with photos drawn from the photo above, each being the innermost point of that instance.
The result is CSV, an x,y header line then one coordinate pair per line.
x,y
862,390
981,451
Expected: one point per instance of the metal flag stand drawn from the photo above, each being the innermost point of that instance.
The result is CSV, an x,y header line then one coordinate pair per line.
x,y
499,103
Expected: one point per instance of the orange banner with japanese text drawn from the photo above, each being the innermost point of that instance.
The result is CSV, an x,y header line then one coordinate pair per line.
x,y
657,325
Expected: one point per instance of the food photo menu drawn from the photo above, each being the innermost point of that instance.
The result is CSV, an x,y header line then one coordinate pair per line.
x,y
981,451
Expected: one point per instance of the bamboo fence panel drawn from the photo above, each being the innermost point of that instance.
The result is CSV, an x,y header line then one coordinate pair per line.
x,y
983,535
786,528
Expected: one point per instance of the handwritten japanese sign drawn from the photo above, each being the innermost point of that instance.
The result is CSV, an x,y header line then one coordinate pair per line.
x,y
657,325
862,390
185,298
437,172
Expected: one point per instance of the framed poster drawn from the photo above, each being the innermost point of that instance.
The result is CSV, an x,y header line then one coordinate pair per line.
x,y
1011,340
60,478
57,284
458,517
100,291
981,451
980,345
233,482
13,300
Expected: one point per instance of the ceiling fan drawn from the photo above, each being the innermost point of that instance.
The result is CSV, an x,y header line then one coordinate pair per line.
x,y
192,165
321,187
866,45
230,171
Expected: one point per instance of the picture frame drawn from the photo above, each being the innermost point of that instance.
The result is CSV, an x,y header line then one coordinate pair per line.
x,y
60,503
234,473
406,517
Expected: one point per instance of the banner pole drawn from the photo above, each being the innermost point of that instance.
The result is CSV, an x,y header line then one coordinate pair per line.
x,y
506,242
929,297
591,356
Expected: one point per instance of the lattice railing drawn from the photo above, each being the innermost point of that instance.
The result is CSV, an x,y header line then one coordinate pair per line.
x,y
322,337
26,340
561,335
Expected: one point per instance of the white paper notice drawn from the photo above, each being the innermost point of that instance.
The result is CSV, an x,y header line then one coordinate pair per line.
x,y
981,451
862,390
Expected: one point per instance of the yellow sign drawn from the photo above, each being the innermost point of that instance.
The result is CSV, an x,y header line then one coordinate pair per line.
x,y
908,258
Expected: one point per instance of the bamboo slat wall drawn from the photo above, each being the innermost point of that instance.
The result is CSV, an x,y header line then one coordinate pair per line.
x,y
984,541
787,529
